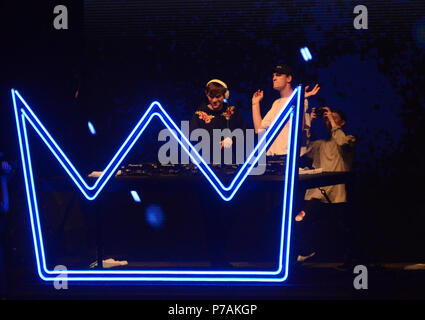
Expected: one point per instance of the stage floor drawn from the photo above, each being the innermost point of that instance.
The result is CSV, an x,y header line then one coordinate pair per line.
x,y
320,280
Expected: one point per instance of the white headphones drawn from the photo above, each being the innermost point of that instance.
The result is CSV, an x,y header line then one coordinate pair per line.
x,y
227,93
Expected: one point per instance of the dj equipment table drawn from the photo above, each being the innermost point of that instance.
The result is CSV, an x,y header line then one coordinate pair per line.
x,y
170,179
171,175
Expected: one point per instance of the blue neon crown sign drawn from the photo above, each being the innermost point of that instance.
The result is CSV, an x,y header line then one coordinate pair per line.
x,y
291,111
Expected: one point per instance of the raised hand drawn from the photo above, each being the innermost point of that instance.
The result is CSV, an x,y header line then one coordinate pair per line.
x,y
258,96
312,92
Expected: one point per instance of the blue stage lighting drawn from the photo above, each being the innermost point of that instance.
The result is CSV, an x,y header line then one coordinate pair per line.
x,y
154,216
135,196
305,52
91,128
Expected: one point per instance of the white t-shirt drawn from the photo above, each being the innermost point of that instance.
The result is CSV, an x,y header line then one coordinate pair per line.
x,y
280,144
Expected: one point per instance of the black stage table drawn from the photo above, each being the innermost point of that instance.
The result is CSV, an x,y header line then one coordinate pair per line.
x,y
166,183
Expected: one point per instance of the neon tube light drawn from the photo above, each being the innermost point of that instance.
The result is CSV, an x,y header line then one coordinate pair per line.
x,y
290,112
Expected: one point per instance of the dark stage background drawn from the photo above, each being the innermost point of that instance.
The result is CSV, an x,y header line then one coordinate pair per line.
x,y
122,55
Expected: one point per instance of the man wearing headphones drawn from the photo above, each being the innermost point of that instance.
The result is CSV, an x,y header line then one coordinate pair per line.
x,y
217,114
